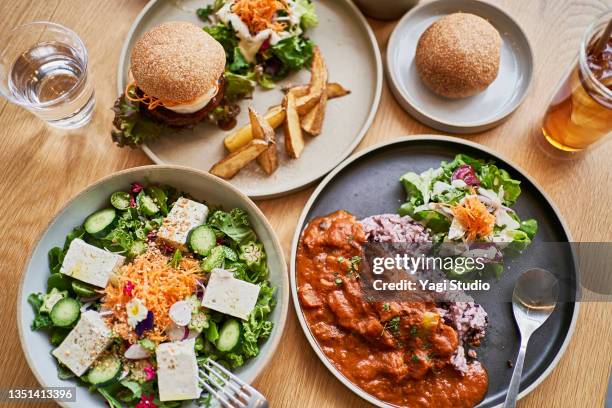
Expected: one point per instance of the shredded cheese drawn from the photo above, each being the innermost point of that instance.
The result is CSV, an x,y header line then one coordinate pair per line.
x,y
474,217
258,14
157,285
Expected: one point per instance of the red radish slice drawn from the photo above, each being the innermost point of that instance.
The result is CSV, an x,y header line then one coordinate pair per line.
x,y
180,312
136,352
175,332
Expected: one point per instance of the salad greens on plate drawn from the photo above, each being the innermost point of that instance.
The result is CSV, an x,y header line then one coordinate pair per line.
x,y
469,201
128,288
264,40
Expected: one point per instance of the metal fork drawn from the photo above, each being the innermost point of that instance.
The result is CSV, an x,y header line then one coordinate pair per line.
x,y
228,389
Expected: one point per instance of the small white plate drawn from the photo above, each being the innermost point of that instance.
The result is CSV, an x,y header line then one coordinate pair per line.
x,y
467,115
353,59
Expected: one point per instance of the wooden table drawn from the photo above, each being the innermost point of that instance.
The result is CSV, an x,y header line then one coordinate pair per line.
x,y
41,168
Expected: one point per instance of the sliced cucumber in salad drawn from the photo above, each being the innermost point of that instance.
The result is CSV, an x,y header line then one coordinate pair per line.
x,y
101,222
83,289
106,371
66,312
202,240
229,336
147,206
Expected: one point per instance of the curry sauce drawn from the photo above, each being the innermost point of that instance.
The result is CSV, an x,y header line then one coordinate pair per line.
x,y
399,352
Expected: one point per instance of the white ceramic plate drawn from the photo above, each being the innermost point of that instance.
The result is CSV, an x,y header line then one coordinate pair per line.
x,y
353,59
200,185
467,115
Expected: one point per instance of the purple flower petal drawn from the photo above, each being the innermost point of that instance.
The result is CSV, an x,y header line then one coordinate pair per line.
x,y
137,188
146,324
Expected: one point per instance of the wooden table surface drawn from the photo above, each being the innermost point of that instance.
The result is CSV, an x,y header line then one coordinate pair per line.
x,y
42,168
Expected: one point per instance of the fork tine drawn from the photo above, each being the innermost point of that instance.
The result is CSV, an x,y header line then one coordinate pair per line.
x,y
217,396
234,388
226,372
222,389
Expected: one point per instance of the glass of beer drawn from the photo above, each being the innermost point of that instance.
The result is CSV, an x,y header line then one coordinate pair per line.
x,y
580,112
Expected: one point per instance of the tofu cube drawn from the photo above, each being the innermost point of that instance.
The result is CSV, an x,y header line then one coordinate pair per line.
x,y
229,295
184,216
90,264
177,371
89,338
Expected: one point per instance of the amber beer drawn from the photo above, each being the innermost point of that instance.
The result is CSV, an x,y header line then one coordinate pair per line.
x,y
580,113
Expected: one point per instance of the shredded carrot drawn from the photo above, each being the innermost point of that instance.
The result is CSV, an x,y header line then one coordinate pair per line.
x,y
151,101
258,14
474,218
157,284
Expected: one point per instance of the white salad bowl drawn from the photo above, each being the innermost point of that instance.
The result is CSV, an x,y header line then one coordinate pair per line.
x,y
200,185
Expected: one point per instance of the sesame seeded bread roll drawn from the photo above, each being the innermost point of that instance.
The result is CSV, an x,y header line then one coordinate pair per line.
x,y
458,55
177,61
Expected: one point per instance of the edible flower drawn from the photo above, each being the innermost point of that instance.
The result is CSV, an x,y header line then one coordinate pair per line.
x,y
136,312
128,288
146,324
474,217
149,372
146,401
137,188
132,202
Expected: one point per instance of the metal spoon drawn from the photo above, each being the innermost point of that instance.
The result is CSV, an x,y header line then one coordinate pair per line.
x,y
533,300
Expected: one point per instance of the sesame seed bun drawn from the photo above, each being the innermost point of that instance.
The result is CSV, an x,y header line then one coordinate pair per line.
x,y
177,61
458,55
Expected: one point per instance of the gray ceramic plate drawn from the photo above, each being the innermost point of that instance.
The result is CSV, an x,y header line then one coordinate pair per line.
x,y
200,185
353,59
368,183
467,115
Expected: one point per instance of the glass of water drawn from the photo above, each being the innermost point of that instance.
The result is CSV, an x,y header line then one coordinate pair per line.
x,y
43,68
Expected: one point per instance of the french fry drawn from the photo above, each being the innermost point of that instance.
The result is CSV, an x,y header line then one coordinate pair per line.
x,y
317,87
262,130
294,140
230,165
275,116
312,122
334,90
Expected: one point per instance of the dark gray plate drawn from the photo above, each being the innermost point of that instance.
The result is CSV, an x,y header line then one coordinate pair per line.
x,y
368,184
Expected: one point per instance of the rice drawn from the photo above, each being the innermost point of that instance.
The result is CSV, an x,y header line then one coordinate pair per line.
x,y
393,228
467,318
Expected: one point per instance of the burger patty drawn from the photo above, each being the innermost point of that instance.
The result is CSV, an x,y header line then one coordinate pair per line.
x,y
175,119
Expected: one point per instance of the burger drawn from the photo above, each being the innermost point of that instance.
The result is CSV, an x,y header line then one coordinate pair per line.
x,y
178,74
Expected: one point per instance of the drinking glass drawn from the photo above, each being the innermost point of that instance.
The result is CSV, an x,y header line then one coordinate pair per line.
x,y
580,113
43,68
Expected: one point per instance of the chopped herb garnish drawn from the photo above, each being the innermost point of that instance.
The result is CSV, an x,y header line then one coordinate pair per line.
x,y
415,358
426,345
340,259
338,281
386,307
413,331
394,325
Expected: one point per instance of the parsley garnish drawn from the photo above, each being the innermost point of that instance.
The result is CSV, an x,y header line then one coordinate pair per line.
x,y
386,307
394,325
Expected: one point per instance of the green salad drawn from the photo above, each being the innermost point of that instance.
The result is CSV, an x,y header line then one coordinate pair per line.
x,y
469,201
264,40
148,289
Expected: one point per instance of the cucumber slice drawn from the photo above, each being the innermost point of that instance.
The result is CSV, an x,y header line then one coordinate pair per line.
x,y
58,281
229,336
82,289
65,312
105,371
137,248
214,260
147,206
120,200
202,240
100,223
